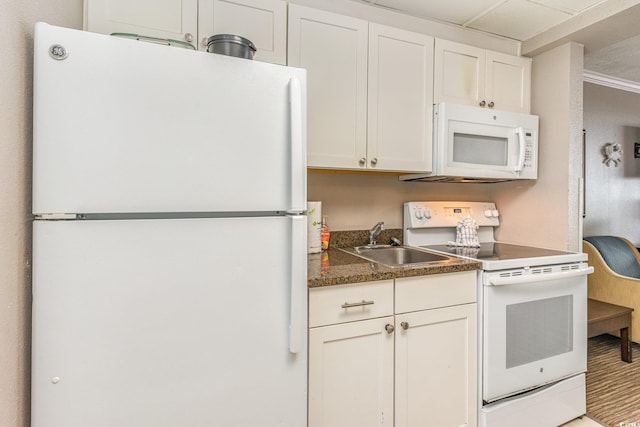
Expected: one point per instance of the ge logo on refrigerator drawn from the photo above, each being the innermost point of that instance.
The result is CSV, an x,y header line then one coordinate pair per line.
x,y
58,52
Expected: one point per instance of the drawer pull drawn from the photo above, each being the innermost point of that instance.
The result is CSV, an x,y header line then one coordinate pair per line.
x,y
356,304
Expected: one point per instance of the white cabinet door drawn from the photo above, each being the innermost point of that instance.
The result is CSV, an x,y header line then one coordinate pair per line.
x,y
169,19
459,73
473,76
333,49
436,367
400,103
351,374
508,81
264,22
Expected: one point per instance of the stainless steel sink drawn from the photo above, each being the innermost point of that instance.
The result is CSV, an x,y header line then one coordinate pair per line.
x,y
397,256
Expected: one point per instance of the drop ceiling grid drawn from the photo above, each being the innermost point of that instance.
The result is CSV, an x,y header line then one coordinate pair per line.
x,y
516,19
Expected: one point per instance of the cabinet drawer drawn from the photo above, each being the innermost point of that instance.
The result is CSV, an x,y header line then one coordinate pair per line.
x,y
347,303
438,290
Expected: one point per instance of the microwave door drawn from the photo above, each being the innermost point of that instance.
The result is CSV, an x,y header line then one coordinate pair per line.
x,y
489,151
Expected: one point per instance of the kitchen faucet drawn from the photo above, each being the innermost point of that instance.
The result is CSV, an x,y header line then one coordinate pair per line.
x,y
374,232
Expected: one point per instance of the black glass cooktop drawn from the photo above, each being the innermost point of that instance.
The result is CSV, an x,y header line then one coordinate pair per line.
x,y
495,251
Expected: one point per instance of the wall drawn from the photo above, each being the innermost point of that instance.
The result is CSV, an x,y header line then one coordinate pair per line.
x,y
16,32
612,194
359,201
547,213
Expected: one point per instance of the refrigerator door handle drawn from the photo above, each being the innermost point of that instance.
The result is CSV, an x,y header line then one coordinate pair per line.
x,y
298,298
298,154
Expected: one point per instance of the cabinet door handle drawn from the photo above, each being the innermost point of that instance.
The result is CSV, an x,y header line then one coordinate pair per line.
x,y
491,104
356,304
389,328
405,325
483,103
188,37
362,161
374,161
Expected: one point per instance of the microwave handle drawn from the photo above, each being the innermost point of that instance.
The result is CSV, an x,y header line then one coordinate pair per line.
x,y
521,153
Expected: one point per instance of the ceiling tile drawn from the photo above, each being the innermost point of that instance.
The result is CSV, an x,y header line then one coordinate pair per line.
x,y
571,6
501,19
453,11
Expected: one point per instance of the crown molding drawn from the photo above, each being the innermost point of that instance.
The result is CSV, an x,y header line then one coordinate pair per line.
x,y
610,81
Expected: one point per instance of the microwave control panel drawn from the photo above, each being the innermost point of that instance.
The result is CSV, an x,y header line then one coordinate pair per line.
x,y
528,150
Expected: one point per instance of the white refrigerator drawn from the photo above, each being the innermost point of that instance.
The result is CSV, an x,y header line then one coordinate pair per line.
x,y
169,240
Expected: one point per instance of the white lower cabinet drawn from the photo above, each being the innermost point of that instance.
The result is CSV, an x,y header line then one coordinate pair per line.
x,y
435,383
394,353
351,355
351,374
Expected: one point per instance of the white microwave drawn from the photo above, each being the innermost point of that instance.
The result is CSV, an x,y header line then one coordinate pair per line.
x,y
473,144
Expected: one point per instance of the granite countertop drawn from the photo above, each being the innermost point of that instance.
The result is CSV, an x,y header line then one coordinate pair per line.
x,y
335,267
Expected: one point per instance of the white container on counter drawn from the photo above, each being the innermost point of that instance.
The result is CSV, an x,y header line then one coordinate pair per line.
x,y
314,220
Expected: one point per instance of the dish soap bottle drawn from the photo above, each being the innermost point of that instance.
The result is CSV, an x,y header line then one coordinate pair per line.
x,y
325,234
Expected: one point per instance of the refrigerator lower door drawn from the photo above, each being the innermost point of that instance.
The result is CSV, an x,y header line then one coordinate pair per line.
x,y
178,322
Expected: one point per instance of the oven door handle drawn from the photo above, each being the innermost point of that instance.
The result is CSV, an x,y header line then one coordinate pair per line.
x,y
531,278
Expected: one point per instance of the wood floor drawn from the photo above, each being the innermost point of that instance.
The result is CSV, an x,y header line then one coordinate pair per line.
x,y
613,386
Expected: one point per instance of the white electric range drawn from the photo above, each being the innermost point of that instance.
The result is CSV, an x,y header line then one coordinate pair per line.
x,y
532,308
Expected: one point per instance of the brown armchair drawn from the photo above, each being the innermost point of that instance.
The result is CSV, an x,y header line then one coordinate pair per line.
x,y
616,276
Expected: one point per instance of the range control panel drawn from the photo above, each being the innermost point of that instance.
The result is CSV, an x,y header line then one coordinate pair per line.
x,y
447,214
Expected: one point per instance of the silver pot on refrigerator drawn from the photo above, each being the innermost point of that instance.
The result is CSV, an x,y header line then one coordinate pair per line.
x,y
231,45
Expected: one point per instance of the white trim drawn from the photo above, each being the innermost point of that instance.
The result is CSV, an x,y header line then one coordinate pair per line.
x,y
611,81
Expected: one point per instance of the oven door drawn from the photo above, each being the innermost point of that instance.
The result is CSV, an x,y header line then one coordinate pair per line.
x,y
534,327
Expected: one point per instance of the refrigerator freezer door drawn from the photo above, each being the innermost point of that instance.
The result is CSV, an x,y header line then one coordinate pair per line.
x,y
181,322
128,126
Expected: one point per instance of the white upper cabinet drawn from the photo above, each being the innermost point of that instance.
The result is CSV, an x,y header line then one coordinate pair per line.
x,y
333,49
370,92
508,81
473,76
169,19
400,103
264,22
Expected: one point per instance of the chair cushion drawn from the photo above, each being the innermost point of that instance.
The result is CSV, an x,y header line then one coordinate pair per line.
x,y
617,254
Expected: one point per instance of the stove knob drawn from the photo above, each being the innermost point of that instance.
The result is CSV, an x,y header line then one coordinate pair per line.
x,y
495,213
427,214
419,214
488,213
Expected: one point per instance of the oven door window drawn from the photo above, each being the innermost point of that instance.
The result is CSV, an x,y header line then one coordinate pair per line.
x,y
539,329
534,333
